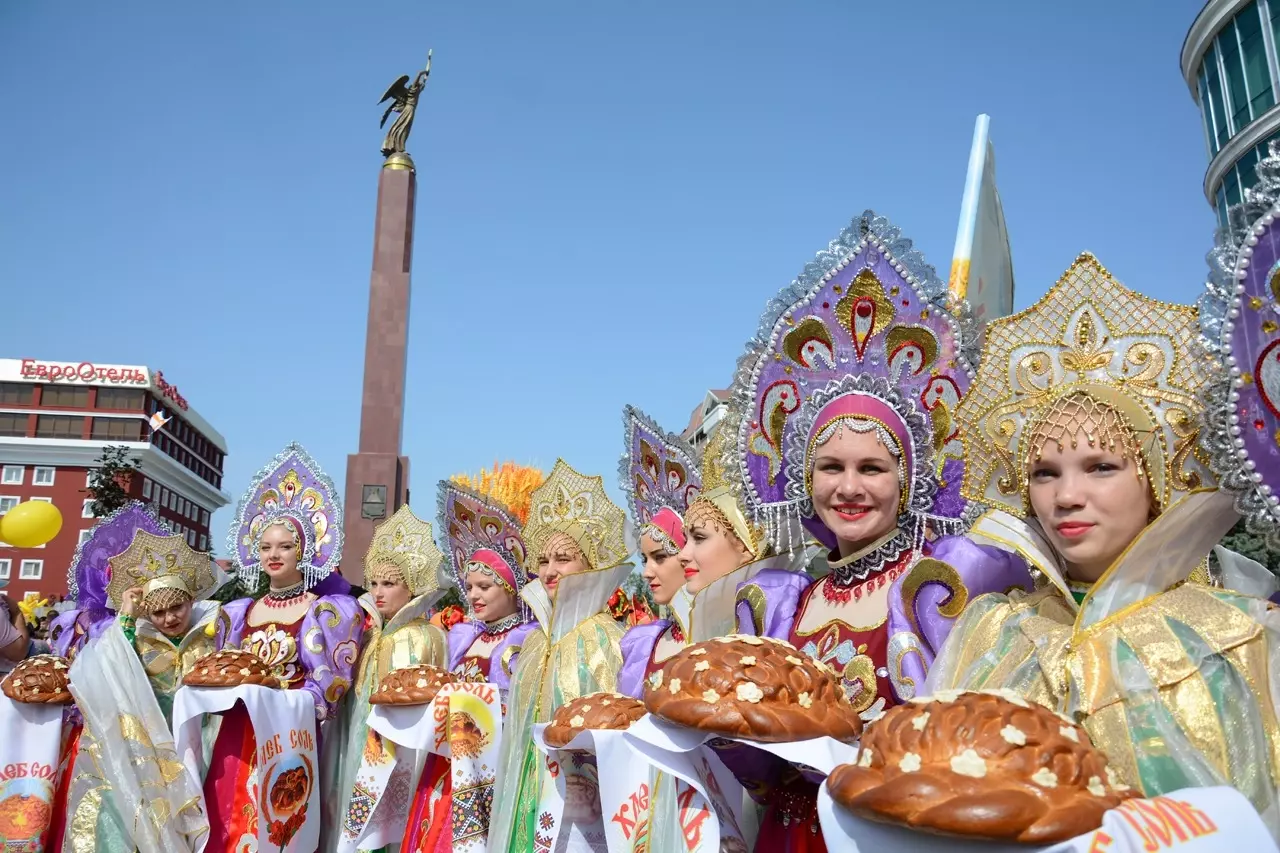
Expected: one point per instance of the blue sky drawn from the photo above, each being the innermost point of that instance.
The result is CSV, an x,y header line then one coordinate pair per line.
x,y
608,193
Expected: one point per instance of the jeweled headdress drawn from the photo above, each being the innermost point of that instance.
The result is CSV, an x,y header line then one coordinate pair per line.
x,y
291,488
867,338
166,567
577,506
483,535
404,549
660,477
1089,341
1240,317
90,573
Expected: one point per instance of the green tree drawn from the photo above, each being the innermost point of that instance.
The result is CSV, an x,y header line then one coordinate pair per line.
x,y
1252,546
109,482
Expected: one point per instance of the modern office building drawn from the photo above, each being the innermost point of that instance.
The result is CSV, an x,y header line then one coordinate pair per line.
x,y
55,419
1229,61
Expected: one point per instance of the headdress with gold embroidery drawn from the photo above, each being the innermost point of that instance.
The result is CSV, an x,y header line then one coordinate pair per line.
x,y
403,549
168,569
577,506
1240,320
292,490
659,475
866,338
721,501
1091,352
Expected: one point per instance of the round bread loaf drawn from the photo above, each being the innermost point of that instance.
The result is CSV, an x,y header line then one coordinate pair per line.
x,y
412,685
983,765
231,668
608,711
753,688
40,680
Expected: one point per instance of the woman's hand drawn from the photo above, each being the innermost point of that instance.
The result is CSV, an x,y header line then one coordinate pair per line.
x,y
131,606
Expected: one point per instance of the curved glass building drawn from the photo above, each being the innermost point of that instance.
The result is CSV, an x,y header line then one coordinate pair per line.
x,y
1229,61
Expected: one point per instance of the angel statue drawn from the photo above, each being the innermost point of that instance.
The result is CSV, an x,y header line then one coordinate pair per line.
x,y
404,100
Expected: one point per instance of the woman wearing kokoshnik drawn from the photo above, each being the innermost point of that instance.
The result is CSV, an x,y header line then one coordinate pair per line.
x,y
577,550
402,569
288,524
660,477
841,428
130,671
485,560
1084,434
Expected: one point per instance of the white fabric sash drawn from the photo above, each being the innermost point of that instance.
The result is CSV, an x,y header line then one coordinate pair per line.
x,y
1195,820
284,723
28,769
464,724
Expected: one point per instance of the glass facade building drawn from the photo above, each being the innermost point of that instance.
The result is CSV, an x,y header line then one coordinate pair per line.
x,y
1229,61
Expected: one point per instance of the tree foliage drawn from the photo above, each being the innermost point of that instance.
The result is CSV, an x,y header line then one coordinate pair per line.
x,y
1252,546
109,482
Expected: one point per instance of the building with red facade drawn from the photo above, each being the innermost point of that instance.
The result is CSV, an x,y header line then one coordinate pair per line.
x,y
55,419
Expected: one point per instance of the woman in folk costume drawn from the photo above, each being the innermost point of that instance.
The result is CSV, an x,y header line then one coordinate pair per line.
x,y
288,524
402,570
1082,433
659,475
88,575
576,548
131,672
841,428
487,558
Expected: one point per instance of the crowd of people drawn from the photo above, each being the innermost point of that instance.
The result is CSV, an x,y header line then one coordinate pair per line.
x,y
920,503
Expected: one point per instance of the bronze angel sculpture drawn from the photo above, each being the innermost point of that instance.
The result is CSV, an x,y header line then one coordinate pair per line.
x,y
404,100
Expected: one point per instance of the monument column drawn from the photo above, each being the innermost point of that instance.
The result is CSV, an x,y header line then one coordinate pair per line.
x,y
377,474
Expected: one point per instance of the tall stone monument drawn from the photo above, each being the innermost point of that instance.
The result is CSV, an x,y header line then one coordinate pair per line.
x,y
377,474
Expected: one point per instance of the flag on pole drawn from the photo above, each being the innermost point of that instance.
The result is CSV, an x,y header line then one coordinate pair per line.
x,y
158,420
982,266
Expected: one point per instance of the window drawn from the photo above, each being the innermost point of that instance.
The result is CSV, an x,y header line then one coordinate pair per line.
x,y
191,538
204,542
31,570
43,477
204,517
146,488
12,475
8,502
43,500
121,398
88,478
186,508
15,393
86,511
1257,74
164,498
59,426
1221,127
1233,68
12,424
84,536
127,429
70,396
5,566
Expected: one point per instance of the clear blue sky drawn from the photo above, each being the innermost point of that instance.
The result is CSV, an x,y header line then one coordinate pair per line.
x,y
608,193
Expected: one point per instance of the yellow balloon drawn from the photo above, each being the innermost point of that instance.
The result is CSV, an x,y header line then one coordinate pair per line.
x,y
30,524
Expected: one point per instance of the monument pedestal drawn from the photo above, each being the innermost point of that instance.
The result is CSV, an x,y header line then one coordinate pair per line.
x,y
377,468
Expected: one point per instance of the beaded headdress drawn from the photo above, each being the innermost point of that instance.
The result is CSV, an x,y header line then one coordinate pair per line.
x,y
290,489
168,569
576,506
1240,316
721,499
403,549
865,338
90,572
484,536
1091,353
660,477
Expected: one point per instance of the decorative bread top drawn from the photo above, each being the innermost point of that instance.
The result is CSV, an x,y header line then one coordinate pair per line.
x,y
412,685
985,765
754,688
231,668
40,680
608,711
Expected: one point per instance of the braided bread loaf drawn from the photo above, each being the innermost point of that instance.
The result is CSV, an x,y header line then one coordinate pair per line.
x,y
751,687
231,668
39,680
611,711
985,765
412,685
